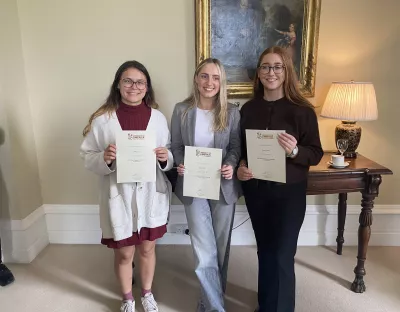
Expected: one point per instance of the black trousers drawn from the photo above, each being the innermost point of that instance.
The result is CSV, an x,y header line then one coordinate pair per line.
x,y
277,213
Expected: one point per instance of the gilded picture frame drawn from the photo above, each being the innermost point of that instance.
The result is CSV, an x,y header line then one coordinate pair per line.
x,y
228,29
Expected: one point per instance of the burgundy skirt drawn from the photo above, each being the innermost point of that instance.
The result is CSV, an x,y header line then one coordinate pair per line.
x,y
146,234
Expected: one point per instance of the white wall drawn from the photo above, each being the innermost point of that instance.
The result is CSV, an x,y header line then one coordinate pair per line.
x,y
359,40
58,59
71,49
18,163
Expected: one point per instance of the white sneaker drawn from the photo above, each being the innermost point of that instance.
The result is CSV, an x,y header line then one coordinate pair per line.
x,y
128,306
149,304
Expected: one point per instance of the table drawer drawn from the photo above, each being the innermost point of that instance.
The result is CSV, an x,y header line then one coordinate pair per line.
x,y
322,185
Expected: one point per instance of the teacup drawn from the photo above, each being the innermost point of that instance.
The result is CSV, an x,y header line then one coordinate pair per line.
x,y
337,160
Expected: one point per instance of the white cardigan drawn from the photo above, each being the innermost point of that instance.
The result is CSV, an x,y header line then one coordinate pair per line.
x,y
127,207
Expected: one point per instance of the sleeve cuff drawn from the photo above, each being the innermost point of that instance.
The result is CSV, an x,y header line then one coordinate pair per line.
x,y
169,162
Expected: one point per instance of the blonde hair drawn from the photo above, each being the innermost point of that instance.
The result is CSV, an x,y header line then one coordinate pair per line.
x,y
290,85
221,108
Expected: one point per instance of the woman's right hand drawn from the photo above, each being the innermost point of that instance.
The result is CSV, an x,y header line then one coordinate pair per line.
x,y
244,173
181,169
110,154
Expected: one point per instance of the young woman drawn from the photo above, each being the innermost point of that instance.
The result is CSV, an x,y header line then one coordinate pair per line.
x,y
277,210
132,215
205,119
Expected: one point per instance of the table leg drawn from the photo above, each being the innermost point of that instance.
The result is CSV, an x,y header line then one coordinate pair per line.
x,y
342,208
364,231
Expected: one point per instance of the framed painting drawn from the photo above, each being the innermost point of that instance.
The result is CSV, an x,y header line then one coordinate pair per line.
x,y
237,31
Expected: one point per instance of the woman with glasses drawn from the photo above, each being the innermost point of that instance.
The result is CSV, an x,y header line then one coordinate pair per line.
x,y
206,119
277,210
132,215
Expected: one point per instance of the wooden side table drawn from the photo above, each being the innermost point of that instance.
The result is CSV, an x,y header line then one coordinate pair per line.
x,y
362,175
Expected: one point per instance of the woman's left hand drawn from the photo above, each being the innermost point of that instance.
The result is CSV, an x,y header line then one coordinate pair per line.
x,y
288,142
161,153
227,171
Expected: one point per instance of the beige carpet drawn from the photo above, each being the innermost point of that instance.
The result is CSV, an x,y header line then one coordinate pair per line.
x,y
80,278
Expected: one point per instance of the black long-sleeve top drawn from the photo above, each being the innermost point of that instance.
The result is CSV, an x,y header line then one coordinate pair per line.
x,y
299,121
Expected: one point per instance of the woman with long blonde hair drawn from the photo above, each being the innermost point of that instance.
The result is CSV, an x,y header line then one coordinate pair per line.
x,y
206,119
277,210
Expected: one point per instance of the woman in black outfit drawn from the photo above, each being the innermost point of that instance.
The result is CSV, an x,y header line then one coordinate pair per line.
x,y
277,210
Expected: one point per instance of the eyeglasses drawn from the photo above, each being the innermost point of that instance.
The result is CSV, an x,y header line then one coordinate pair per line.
x,y
128,83
265,69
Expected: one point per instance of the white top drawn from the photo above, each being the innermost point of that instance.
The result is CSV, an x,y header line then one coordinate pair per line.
x,y
126,207
204,134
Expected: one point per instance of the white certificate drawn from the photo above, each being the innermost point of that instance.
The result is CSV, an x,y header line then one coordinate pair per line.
x,y
265,157
202,177
136,159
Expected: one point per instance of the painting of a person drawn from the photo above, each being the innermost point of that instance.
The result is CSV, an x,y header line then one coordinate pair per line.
x,y
236,28
288,42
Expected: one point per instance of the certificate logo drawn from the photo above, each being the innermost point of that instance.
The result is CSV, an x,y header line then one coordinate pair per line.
x,y
200,193
262,136
135,136
202,154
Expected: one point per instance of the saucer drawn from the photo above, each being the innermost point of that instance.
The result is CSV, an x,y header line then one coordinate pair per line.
x,y
346,164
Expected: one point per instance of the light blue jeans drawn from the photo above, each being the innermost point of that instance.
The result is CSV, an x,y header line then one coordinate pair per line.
x,y
210,226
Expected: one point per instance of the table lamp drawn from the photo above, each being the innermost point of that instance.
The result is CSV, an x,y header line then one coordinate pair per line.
x,y
350,102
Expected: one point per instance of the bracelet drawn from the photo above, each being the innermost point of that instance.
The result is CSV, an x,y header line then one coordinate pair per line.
x,y
243,165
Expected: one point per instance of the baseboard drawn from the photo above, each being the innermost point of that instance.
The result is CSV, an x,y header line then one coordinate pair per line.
x,y
80,225
73,224
23,240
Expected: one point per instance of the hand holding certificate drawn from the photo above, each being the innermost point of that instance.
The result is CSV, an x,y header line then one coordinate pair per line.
x,y
265,157
202,172
136,159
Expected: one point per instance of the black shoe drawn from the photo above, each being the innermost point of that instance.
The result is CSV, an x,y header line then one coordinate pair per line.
x,y
6,277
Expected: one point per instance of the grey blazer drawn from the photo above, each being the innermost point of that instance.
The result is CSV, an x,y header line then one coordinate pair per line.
x,y
182,134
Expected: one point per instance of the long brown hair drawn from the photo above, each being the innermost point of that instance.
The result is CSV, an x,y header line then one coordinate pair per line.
x,y
290,85
221,107
114,98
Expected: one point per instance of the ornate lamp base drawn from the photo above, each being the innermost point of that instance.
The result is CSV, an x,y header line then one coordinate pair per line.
x,y
350,131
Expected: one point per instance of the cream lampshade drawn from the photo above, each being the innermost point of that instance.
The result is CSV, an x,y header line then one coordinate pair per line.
x,y
350,102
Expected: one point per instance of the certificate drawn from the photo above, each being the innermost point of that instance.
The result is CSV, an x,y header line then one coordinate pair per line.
x,y
202,177
136,159
265,157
